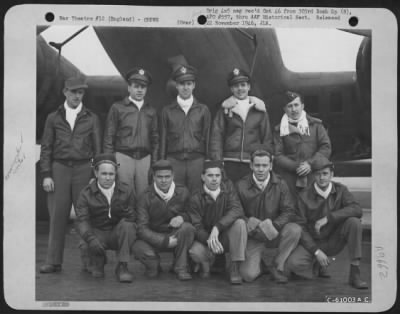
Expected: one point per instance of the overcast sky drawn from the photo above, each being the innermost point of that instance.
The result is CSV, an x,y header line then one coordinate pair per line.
x,y
303,50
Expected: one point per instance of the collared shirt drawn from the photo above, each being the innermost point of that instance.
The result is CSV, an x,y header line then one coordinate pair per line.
x,y
321,192
261,184
185,104
138,103
214,194
71,114
242,107
165,196
108,193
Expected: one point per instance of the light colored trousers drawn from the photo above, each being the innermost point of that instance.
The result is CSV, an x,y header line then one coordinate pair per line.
x,y
286,242
134,172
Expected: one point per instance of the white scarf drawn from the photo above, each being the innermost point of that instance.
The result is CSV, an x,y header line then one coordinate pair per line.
x,y
165,196
185,103
302,124
138,103
325,193
213,194
71,114
108,193
261,184
242,107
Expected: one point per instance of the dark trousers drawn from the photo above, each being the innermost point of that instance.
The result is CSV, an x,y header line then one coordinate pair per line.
x,y
236,170
68,183
188,172
350,233
120,239
145,252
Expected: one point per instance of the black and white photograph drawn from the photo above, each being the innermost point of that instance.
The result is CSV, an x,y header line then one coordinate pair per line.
x,y
196,165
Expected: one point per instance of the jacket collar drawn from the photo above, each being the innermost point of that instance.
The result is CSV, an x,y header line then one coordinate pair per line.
x,y
118,186
175,104
127,102
315,194
84,110
222,187
252,184
154,193
311,120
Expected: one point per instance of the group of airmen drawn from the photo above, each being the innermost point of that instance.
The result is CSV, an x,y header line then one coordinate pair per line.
x,y
198,187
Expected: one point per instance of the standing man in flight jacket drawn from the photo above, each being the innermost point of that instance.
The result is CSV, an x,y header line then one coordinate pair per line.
x,y
241,124
71,138
299,140
132,132
185,130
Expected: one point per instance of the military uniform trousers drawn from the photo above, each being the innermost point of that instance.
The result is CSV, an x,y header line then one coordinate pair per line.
x,y
187,172
134,172
286,242
236,170
146,253
233,240
350,233
120,239
69,181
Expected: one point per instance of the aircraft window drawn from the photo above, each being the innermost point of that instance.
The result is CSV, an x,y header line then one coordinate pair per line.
x,y
311,104
318,50
336,103
84,51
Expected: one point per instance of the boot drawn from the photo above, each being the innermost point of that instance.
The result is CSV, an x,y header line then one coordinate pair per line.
x,y
235,277
355,278
85,259
264,268
183,274
205,270
123,273
50,268
97,268
320,271
278,276
219,264
153,268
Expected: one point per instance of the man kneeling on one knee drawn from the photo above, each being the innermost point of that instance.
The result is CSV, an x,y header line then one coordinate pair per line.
x,y
331,219
215,212
163,223
106,218
270,214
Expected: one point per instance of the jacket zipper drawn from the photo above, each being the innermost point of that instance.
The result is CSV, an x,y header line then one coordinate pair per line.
x,y
241,150
138,125
109,204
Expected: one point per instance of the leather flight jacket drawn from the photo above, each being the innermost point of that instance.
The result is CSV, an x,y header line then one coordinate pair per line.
x,y
131,131
69,147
